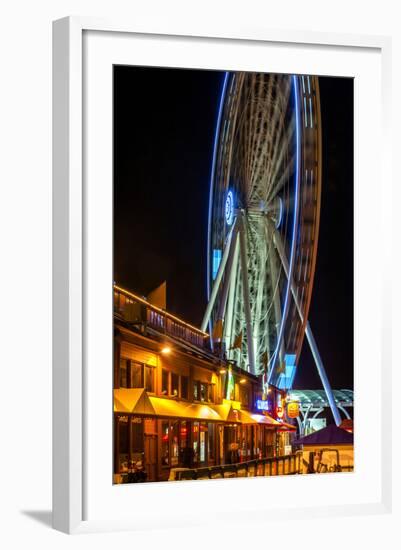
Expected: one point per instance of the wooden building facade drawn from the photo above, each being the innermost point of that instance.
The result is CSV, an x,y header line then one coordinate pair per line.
x,y
170,399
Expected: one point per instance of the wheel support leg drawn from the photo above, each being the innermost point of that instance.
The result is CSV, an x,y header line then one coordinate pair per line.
x,y
218,279
311,340
245,288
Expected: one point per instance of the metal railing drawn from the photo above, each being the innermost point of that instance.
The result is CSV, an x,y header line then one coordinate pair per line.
x,y
138,311
274,466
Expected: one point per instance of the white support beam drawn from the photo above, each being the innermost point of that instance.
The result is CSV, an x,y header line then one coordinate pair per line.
x,y
245,289
227,279
229,320
309,336
218,279
276,292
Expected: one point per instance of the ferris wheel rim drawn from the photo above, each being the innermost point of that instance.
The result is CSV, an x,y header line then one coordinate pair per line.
x,y
294,228
212,198
221,176
211,184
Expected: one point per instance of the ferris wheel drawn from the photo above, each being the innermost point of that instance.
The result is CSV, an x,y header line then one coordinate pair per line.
x,y
264,213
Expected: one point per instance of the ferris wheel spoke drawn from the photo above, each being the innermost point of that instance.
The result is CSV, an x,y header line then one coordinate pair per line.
x,y
283,166
249,108
275,189
266,108
274,114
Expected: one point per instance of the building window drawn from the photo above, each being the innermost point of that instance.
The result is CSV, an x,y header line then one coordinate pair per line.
x,y
203,442
184,387
137,437
195,439
185,457
211,439
165,458
175,448
149,374
165,377
123,373
203,392
244,395
123,451
174,384
196,391
135,375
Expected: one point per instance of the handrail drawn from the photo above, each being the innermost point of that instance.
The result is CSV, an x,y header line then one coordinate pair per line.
x,y
272,466
159,319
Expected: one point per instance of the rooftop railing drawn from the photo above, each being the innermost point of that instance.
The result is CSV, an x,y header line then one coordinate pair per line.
x,y
139,311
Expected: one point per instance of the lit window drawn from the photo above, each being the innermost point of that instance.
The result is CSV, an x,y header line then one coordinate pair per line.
x,y
175,449
165,382
174,384
165,458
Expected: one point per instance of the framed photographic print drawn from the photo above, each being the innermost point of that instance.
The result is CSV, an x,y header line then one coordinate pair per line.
x,y
218,318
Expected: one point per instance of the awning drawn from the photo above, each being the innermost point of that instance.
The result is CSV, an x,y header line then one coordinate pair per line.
x,y
133,400
137,401
182,409
284,427
227,413
331,435
254,418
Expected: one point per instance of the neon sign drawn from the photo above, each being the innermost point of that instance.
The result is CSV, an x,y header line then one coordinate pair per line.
x,y
262,405
279,407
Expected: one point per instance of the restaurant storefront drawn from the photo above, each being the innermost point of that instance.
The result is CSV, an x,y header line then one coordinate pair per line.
x,y
149,445
176,405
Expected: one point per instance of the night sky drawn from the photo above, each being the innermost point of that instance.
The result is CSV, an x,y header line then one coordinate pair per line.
x,y
164,124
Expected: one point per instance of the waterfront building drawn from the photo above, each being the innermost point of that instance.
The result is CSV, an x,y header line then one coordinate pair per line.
x,y
178,405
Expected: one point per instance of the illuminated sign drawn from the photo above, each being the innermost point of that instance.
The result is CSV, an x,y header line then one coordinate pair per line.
x,y
229,208
262,405
293,409
279,407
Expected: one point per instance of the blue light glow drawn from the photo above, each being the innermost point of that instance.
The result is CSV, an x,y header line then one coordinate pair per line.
x,y
229,208
280,215
272,361
286,378
262,405
216,138
216,262
214,160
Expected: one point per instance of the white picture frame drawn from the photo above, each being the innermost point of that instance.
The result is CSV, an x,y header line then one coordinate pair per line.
x,y
71,246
